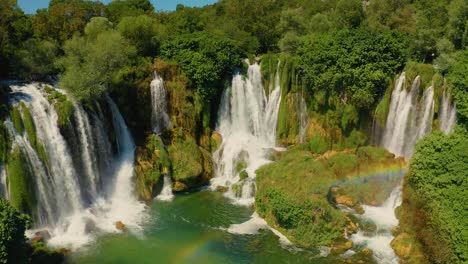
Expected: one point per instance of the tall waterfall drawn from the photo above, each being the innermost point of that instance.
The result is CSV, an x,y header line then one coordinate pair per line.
x,y
247,123
159,117
408,119
448,113
83,187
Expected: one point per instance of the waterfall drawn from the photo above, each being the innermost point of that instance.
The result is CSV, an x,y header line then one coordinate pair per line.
x,y
87,148
408,120
385,219
303,119
45,192
3,185
63,183
159,117
65,189
247,123
448,113
166,193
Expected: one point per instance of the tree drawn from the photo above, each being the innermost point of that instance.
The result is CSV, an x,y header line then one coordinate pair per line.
x,y
205,58
458,81
91,62
12,240
122,8
144,33
350,13
35,60
352,65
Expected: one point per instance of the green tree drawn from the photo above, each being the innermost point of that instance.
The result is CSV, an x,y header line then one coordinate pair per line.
x,y
144,33
350,13
12,240
35,60
91,62
458,81
205,58
122,8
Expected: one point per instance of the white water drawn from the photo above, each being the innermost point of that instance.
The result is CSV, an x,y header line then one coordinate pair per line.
x,y
63,177
159,118
247,123
3,185
72,219
448,113
166,192
408,119
303,119
384,217
87,149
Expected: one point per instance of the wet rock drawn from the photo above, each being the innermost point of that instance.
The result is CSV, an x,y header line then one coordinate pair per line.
x,y
120,226
222,189
41,236
179,187
402,245
216,141
342,246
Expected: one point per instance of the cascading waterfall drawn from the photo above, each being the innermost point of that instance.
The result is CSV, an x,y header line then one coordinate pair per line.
x,y
63,177
160,118
408,120
87,149
247,123
3,188
63,187
448,113
384,218
45,213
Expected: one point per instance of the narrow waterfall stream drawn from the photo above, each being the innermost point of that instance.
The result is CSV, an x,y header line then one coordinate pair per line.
x,y
247,123
159,117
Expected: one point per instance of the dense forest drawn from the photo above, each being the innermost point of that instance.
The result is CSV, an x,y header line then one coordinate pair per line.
x,y
342,56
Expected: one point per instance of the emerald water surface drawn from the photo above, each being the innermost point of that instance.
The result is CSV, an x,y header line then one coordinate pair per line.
x,y
190,229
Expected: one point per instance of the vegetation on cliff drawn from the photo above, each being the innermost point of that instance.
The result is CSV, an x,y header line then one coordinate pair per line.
x,y
434,213
293,192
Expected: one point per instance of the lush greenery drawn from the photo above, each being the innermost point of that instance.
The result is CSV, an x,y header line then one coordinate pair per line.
x,y
435,190
292,193
13,247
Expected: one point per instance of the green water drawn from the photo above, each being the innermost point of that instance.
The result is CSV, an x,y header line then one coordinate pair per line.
x,y
189,230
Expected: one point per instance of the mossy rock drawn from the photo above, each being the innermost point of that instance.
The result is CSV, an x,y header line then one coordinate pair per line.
x,y
341,246
21,182
15,116
152,163
191,164
216,141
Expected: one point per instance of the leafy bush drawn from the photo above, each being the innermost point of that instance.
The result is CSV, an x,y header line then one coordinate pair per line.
x,y
318,144
12,240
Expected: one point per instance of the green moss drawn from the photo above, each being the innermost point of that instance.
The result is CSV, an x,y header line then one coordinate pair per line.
x,y
4,143
29,126
15,116
425,71
20,182
381,111
62,105
243,175
191,165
